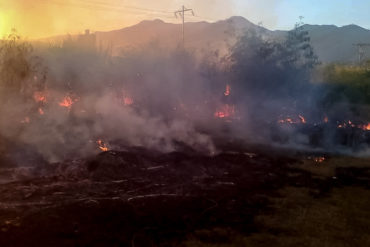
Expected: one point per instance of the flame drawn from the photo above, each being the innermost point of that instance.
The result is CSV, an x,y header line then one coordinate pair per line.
x,y
67,102
326,119
128,101
303,120
227,90
39,97
289,120
41,111
226,111
349,124
26,120
366,127
319,159
102,146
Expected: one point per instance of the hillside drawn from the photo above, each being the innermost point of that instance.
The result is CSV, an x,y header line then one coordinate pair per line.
x,y
331,43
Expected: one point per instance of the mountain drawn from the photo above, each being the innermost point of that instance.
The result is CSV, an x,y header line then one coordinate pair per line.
x,y
336,44
331,43
198,35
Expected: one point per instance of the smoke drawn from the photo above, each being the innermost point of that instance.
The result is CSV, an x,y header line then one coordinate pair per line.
x,y
70,101
150,98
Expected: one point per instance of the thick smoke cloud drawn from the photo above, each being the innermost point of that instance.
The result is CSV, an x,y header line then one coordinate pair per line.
x,y
75,100
151,98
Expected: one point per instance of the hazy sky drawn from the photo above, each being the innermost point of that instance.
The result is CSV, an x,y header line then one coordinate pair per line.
x,y
41,18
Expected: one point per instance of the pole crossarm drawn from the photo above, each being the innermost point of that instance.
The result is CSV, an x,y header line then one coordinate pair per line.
x,y
181,13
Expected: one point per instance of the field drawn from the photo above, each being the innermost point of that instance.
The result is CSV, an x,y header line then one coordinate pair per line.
x,y
255,196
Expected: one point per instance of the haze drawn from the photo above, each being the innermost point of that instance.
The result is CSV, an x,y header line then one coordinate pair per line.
x,y
42,18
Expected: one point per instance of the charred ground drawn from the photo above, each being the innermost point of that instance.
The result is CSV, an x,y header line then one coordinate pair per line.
x,y
138,197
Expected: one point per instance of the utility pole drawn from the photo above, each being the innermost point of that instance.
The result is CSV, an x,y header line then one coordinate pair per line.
x,y
182,14
361,50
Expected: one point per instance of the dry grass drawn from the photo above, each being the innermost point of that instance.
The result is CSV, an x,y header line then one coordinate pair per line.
x,y
327,168
342,219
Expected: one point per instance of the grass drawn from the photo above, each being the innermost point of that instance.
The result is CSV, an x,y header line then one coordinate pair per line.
x,y
327,168
296,218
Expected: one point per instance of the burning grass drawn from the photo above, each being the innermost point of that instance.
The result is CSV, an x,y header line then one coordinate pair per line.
x,y
123,151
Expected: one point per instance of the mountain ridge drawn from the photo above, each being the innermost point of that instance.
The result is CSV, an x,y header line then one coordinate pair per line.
x,y
331,43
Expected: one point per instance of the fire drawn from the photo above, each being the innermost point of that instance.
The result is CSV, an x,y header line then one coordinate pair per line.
x,y
289,120
26,120
226,111
303,120
348,124
39,97
128,101
102,146
227,90
41,111
319,159
67,102
366,127
326,119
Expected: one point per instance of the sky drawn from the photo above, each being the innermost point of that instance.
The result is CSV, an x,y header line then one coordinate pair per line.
x,y
43,18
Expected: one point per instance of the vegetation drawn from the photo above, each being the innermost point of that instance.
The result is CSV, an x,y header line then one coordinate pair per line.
x,y
298,217
350,83
271,69
19,68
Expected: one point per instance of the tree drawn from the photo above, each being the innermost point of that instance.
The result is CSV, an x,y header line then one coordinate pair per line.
x,y
271,74
19,70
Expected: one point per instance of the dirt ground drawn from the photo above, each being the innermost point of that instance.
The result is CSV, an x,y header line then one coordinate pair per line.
x,y
248,197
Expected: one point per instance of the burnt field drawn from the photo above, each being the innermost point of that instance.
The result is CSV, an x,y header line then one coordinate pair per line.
x,y
154,147
245,196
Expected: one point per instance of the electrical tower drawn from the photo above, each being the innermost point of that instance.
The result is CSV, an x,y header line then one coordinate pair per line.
x,y
181,13
361,50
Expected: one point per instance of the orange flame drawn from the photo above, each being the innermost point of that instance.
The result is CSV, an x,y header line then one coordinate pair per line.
x,y
293,121
226,111
128,101
39,97
319,159
67,102
288,120
349,124
366,127
326,119
41,111
102,146
228,90
303,120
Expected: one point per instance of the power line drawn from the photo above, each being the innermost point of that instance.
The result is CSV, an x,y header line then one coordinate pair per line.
x,y
206,18
131,7
94,5
111,9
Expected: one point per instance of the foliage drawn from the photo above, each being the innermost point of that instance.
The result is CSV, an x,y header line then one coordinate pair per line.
x,y
17,66
265,72
348,83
